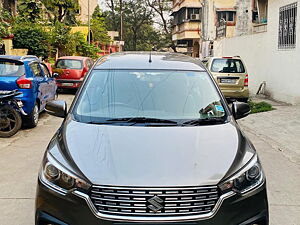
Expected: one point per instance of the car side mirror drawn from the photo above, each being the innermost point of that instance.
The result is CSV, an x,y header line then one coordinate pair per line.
x,y
55,75
57,108
240,110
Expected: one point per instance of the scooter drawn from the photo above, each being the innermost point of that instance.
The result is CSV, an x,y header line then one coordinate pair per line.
x,y
10,113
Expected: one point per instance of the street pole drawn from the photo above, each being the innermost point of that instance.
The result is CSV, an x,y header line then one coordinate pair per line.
x,y
89,23
121,22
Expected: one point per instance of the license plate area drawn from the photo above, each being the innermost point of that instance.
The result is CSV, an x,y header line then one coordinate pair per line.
x,y
67,84
228,81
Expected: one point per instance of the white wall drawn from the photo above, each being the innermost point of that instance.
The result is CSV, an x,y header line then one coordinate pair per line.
x,y
279,68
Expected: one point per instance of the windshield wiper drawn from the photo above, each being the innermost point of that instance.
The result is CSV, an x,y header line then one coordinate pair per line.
x,y
205,121
142,120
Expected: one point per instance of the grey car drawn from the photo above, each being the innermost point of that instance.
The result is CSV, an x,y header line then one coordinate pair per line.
x,y
150,139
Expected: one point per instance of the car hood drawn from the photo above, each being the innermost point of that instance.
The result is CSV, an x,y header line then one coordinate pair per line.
x,y
150,156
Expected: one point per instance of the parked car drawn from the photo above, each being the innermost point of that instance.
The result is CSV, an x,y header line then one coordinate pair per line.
x,y
231,75
31,77
71,71
150,140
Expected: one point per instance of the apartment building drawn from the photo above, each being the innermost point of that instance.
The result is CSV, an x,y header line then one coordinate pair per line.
x,y
187,17
198,23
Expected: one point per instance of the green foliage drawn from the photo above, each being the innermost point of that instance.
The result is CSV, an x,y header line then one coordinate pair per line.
x,y
137,17
61,10
138,26
257,107
83,48
30,10
98,27
62,39
4,23
31,36
69,43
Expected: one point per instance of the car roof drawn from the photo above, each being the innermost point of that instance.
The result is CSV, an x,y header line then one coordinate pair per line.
x,y
73,57
222,57
19,58
140,60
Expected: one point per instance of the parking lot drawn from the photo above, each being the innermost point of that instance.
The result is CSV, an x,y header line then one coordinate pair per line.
x,y
275,135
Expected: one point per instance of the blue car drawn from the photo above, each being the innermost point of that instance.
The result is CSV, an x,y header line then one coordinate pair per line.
x,y
31,77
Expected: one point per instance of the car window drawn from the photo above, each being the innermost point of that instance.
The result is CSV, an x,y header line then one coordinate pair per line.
x,y
11,68
45,70
175,95
227,66
36,69
69,64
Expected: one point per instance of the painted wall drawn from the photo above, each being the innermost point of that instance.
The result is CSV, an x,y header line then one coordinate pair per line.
x,y
84,9
265,62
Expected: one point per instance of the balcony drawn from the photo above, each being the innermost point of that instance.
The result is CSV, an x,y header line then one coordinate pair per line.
x,y
187,30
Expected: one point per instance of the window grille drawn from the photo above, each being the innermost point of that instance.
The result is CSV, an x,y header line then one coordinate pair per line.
x,y
287,26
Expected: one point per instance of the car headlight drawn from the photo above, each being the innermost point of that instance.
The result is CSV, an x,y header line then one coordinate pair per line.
x,y
59,178
248,178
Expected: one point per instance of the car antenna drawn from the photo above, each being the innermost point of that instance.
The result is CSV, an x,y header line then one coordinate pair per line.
x,y
150,57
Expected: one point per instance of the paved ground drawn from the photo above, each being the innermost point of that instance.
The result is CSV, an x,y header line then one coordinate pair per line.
x,y
275,134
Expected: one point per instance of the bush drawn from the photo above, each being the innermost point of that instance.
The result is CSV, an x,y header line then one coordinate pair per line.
x,y
31,36
83,48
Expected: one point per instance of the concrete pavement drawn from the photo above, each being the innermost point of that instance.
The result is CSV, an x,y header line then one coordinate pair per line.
x,y
275,135
20,158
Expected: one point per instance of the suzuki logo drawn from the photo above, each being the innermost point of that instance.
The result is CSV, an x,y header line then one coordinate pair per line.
x,y
155,204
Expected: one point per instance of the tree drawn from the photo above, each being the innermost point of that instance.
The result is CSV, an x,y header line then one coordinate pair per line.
x,y
162,8
113,15
33,37
4,23
30,10
98,27
136,15
61,10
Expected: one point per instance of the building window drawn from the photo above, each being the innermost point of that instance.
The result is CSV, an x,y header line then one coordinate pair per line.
x,y
194,14
260,11
287,26
228,16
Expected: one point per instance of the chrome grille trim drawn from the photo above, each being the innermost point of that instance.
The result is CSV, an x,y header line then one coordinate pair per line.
x,y
133,218
134,201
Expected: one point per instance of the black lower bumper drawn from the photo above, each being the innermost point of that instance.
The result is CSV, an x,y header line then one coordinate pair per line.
x,y
54,208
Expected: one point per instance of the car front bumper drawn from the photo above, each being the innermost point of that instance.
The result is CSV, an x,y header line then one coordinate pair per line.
x,y
69,209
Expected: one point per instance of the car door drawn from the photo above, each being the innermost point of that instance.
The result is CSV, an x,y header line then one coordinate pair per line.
x,y
50,87
40,84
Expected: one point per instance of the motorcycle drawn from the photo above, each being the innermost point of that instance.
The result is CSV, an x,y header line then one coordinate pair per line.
x,y
10,113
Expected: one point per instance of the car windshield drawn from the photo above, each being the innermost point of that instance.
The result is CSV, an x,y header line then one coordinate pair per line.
x,y
69,64
227,66
11,68
163,95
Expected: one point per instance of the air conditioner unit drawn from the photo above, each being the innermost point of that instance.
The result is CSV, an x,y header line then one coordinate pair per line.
x,y
195,16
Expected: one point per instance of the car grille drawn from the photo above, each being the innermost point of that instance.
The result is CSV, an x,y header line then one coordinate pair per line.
x,y
125,201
